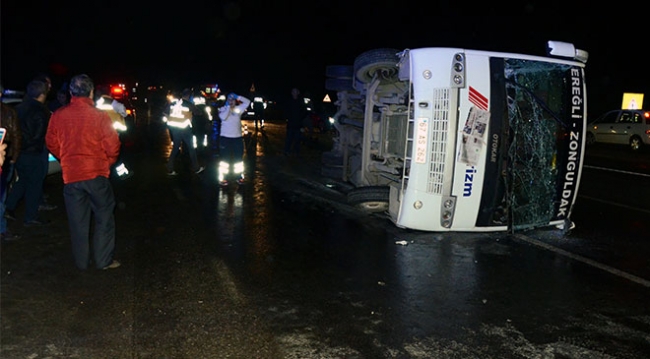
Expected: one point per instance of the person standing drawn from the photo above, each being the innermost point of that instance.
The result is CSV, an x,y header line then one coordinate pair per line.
x,y
201,122
231,143
60,100
33,116
258,108
117,113
179,121
296,111
44,77
82,137
12,143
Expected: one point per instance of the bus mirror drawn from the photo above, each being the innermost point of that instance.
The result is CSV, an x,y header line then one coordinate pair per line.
x,y
559,48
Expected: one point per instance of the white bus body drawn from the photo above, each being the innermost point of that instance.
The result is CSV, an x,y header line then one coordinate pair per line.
x,y
449,139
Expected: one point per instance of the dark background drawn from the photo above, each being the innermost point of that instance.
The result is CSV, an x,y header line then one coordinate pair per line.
x,y
280,44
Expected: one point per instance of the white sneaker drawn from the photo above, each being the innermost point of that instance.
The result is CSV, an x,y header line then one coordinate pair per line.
x,y
201,169
114,264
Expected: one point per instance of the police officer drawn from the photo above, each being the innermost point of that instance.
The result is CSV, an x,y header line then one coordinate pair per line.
x,y
201,122
258,108
178,117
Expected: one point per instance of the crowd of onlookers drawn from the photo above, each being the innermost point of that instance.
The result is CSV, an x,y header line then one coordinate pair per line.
x,y
82,138
80,133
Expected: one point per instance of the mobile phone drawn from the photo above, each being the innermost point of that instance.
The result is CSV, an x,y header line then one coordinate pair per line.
x,y
3,132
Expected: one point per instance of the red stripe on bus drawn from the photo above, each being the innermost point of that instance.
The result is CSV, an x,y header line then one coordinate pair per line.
x,y
476,98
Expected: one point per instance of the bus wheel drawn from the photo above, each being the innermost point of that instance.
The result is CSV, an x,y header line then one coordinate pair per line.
x,y
371,199
381,61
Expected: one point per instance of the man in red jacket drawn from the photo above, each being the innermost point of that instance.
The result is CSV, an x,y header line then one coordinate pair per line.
x,y
82,137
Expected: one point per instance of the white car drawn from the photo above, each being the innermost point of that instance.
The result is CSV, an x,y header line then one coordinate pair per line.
x,y
624,127
13,98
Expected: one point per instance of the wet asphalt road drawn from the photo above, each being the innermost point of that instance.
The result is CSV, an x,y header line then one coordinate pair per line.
x,y
281,267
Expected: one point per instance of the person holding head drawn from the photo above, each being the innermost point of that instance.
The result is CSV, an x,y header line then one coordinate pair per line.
x,y
231,144
82,137
33,117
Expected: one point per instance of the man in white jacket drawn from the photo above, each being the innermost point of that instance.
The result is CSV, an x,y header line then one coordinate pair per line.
x,y
231,144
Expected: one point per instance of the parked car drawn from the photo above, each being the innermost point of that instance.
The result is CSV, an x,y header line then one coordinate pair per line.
x,y
625,127
13,98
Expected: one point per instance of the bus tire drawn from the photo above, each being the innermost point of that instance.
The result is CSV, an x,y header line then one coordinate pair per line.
x,y
371,199
382,61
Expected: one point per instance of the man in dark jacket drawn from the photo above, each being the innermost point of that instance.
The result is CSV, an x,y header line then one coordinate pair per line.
x,y
295,111
13,139
33,116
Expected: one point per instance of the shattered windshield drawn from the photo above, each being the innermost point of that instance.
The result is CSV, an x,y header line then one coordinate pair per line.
x,y
537,103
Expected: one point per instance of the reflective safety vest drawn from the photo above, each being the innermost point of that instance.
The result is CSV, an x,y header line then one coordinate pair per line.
x,y
113,108
199,101
180,115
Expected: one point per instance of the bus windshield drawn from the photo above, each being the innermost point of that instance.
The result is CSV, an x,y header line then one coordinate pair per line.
x,y
537,156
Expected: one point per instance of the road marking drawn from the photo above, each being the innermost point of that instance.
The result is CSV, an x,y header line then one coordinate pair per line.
x,y
615,204
582,259
618,171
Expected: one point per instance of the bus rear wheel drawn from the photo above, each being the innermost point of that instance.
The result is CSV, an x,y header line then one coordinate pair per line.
x,y
371,199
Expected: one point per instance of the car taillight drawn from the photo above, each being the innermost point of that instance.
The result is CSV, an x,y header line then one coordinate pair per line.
x,y
646,115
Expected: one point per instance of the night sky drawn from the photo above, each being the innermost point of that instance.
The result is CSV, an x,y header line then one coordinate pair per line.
x,y
280,44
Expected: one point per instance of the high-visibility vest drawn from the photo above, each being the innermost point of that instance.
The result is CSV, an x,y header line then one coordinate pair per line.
x,y
107,104
180,115
199,102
